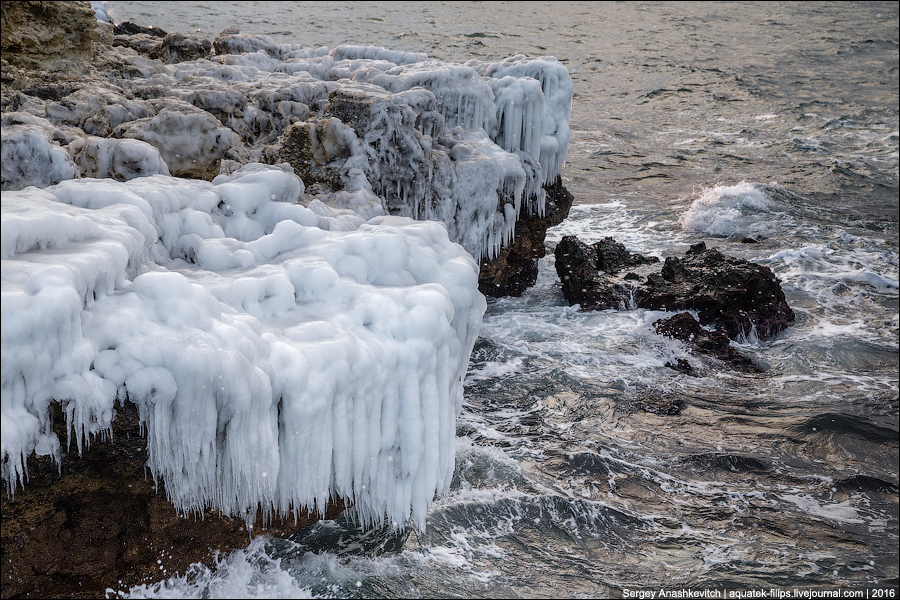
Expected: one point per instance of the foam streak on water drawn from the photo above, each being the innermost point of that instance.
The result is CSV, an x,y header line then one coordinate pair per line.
x,y
714,123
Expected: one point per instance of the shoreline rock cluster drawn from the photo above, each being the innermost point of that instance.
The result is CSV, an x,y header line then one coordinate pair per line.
x,y
370,132
740,299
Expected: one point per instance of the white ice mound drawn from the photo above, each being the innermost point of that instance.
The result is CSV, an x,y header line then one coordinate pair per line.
x,y
279,353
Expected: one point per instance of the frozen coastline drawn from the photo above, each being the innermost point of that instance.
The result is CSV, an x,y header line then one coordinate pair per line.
x,y
285,339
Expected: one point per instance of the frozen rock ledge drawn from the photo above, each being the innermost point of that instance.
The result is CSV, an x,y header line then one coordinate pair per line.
x,y
278,353
270,251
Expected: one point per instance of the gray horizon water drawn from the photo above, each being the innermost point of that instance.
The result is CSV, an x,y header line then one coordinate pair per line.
x,y
690,122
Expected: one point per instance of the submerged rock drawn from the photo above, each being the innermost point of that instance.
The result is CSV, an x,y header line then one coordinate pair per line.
x,y
686,328
659,403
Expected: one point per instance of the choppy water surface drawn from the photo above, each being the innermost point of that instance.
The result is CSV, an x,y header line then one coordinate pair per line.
x,y
690,122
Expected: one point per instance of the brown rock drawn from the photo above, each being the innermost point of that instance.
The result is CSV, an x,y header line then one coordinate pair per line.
x,y
100,521
47,35
515,268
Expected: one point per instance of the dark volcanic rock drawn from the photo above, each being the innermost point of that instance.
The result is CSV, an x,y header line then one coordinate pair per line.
x,y
738,297
685,327
129,28
735,295
612,256
582,282
515,268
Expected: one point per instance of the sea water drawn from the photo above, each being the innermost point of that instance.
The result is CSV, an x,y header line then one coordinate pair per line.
x,y
690,122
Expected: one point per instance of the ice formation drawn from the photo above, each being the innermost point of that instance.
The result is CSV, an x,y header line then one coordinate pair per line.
x,y
236,107
31,157
290,330
117,159
278,353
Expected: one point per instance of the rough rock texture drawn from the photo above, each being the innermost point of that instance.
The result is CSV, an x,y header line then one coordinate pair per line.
x,y
612,256
129,28
178,47
584,283
47,35
736,296
155,43
515,269
686,328
98,521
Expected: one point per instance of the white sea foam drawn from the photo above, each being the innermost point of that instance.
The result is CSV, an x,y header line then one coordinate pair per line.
x,y
842,512
733,211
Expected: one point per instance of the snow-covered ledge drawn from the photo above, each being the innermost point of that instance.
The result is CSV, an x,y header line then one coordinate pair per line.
x,y
291,332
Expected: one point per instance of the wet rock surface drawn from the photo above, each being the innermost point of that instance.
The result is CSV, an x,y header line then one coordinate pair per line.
x,y
686,328
515,269
737,297
585,282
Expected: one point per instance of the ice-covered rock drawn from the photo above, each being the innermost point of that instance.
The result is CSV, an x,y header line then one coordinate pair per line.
x,y
119,159
101,10
556,85
61,134
287,103
284,341
278,353
515,268
31,157
287,331
192,144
